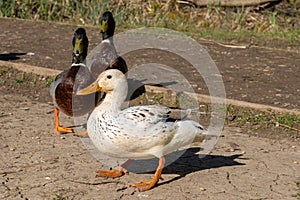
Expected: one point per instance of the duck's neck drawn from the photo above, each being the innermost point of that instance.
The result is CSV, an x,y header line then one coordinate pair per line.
x,y
114,99
106,36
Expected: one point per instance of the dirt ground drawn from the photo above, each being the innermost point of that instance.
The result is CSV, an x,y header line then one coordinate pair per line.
x,y
38,164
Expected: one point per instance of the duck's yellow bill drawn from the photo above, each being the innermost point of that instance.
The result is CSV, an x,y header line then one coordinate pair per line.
x,y
94,87
104,26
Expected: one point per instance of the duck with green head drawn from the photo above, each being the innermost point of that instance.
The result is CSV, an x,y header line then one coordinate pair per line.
x,y
105,56
63,89
80,44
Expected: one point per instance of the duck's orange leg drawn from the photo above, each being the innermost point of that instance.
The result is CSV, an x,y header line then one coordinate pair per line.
x,y
58,128
112,173
147,185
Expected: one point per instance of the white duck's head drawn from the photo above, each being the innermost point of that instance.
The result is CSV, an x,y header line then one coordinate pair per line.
x,y
109,81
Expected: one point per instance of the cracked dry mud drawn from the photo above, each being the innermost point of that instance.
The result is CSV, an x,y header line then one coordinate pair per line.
x,y
38,164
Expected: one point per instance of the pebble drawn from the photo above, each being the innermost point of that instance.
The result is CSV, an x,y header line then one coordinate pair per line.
x,y
25,108
202,189
30,54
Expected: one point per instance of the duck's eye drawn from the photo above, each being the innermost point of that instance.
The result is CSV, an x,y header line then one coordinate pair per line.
x,y
108,76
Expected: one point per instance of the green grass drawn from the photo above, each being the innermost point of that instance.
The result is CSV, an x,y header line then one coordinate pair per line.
x,y
2,72
261,119
60,197
21,81
297,195
48,81
216,22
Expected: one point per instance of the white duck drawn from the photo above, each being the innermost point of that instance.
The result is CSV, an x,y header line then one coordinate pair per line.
x,y
138,132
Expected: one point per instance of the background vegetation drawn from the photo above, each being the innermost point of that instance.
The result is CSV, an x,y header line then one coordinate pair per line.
x,y
279,20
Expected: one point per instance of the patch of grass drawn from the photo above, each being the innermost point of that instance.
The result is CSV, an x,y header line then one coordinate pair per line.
x,y
48,81
298,193
20,81
287,119
212,21
2,72
260,119
158,98
60,197
25,79
273,21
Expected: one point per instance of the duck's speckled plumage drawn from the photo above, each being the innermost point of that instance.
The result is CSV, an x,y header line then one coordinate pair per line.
x,y
137,132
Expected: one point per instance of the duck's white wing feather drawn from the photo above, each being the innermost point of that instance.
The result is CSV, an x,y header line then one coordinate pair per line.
x,y
145,116
145,128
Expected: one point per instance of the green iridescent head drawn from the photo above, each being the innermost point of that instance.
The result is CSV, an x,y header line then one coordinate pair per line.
x,y
107,25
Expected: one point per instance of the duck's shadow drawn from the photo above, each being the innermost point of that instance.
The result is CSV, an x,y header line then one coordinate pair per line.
x,y
11,56
187,163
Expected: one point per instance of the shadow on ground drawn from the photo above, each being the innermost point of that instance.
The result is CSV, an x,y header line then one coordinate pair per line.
x,y
11,56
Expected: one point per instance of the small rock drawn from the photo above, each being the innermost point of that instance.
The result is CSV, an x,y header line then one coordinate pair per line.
x,y
62,137
286,104
202,189
30,54
229,149
296,162
25,108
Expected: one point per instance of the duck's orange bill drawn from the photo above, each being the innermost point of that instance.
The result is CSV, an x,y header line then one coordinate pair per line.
x,y
94,87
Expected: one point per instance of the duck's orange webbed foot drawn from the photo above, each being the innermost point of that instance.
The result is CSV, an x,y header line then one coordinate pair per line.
x,y
147,185
58,128
61,129
112,173
82,134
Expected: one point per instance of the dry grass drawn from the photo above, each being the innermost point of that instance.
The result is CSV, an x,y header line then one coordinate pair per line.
x,y
282,19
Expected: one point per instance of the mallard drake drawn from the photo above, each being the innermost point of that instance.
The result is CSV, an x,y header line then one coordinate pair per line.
x,y
80,45
104,56
65,85
139,132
